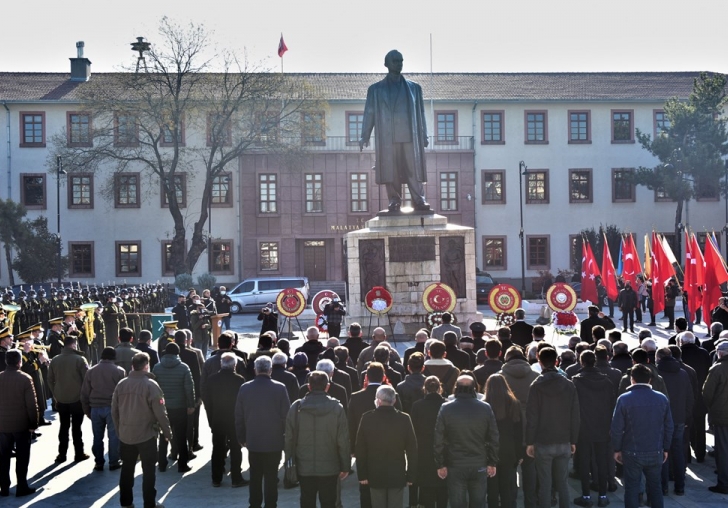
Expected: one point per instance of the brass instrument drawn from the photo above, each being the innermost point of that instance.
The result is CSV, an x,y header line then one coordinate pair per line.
x,y
10,310
35,348
90,310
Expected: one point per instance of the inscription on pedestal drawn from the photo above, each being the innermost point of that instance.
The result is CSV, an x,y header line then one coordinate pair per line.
x,y
412,249
371,265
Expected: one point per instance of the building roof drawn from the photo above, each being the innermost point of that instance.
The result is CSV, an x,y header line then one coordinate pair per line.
x,y
482,87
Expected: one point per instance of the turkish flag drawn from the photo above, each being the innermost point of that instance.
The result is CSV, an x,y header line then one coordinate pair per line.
x,y
715,275
694,275
657,269
630,261
608,277
589,272
282,48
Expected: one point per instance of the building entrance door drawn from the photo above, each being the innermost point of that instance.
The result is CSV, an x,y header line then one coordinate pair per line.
x,y
314,260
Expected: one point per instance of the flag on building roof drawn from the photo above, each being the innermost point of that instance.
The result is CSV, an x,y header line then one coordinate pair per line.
x,y
282,48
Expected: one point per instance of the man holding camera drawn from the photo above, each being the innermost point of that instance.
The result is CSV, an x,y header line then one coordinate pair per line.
x,y
269,317
334,314
201,327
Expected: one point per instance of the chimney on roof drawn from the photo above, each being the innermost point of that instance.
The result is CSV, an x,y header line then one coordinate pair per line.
x,y
80,66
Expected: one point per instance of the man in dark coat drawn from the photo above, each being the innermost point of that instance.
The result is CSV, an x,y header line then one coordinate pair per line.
x,y
395,106
355,344
628,304
342,364
145,337
432,490
386,459
621,359
488,361
221,392
699,359
597,396
457,356
312,347
181,313
280,374
410,389
420,338
520,330
596,317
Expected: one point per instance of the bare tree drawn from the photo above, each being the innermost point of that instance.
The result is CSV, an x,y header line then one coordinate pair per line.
x,y
174,116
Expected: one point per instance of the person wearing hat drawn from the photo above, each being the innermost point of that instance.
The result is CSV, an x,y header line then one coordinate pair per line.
x,y
3,318
112,312
166,337
32,363
55,337
715,396
6,342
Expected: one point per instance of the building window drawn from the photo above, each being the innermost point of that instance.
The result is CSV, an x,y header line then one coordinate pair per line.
x,y
537,127
493,127
446,123
494,187
538,252
180,190
579,127
128,259
267,126
32,129
359,189
269,256
494,252
354,123
80,191
622,126
314,192
126,130
219,130
314,129
580,186
168,138
662,123
126,190
448,191
702,238
78,129
82,259
221,260
662,195
537,186
167,268
623,189
706,191
33,190
222,195
575,253
268,193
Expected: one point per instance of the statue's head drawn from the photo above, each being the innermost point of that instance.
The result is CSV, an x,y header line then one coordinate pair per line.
x,y
393,61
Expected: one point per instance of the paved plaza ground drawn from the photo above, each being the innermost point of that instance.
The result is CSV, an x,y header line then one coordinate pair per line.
x,y
77,485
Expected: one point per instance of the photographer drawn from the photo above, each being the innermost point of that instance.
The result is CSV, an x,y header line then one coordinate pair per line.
x,y
720,313
200,321
269,317
223,303
334,314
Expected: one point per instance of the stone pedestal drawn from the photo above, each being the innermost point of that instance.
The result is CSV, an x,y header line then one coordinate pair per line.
x,y
405,253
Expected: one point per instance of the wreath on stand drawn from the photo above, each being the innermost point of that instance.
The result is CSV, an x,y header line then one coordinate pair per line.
x,y
505,319
564,322
434,319
322,324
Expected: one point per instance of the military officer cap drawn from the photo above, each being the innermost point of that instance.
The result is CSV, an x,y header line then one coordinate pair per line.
x,y
5,333
69,312
477,327
55,321
110,294
61,292
170,324
36,327
23,336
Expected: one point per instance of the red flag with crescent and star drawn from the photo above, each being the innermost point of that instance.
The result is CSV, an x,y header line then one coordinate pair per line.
x,y
697,274
282,48
661,271
589,272
715,275
608,279
630,261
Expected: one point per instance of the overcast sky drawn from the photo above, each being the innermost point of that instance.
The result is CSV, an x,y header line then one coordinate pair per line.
x,y
337,36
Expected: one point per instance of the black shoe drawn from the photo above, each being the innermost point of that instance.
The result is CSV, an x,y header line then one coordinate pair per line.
x,y
99,467
241,483
197,447
44,422
27,491
582,501
718,490
183,469
81,458
422,207
394,207
652,324
191,456
60,459
215,484
679,492
162,468
603,501
114,466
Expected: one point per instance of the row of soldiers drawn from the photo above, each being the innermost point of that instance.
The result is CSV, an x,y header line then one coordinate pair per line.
x,y
36,307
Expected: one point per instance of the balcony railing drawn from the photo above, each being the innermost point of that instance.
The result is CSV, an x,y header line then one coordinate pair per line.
x,y
344,144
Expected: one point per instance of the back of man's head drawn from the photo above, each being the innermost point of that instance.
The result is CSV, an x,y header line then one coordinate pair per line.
x,y
326,366
465,385
593,310
639,356
641,374
715,328
686,338
432,384
514,353
520,314
180,337
381,354
126,334
681,324
145,337
606,343
649,345
342,354
446,317
587,358
375,372
620,348
225,340
421,336
378,334
573,341
450,339
644,334
614,336
317,381
504,333
493,348
13,358
139,361
279,359
355,330
662,353
675,351
416,362
332,342
171,349
386,395
263,365
437,350
598,332
538,333
228,361
601,354
70,341
547,357
108,353
265,342
580,347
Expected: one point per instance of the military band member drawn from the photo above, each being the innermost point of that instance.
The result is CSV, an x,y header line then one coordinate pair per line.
x,y
3,318
112,313
33,366
6,342
61,303
99,332
55,337
166,337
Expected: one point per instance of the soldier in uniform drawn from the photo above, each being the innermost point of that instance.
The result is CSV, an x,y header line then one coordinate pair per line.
x,y
112,312
83,344
69,324
6,342
61,304
99,330
166,337
3,318
32,365
55,337
129,308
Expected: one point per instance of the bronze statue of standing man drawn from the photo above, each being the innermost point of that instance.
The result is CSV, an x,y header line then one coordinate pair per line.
x,y
395,107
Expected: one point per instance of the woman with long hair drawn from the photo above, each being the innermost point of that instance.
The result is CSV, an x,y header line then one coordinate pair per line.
x,y
507,410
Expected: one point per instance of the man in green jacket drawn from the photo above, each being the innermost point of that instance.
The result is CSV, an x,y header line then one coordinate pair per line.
x,y
715,396
65,378
317,438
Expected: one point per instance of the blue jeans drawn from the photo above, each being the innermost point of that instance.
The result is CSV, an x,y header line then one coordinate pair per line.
x,y
552,467
676,458
466,486
225,323
635,465
101,420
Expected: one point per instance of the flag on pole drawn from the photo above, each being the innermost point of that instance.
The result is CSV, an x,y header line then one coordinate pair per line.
x,y
589,273
668,252
630,261
648,258
633,248
660,273
620,258
608,277
694,275
715,275
282,48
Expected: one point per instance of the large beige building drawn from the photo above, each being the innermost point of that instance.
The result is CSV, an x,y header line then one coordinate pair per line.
x,y
574,132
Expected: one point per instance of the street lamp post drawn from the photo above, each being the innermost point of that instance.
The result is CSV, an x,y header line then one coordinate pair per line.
x,y
522,171
60,171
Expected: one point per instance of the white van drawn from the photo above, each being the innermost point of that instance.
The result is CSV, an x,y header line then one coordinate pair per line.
x,y
256,292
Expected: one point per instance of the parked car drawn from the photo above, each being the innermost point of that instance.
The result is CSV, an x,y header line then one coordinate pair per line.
x,y
483,284
254,293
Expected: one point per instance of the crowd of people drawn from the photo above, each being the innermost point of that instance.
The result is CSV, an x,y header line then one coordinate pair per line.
x,y
451,422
